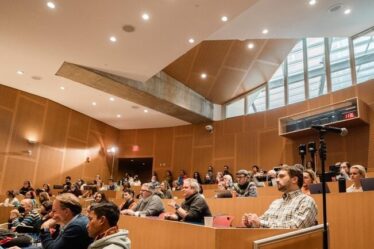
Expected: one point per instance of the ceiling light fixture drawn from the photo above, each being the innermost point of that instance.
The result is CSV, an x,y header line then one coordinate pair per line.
x,y
94,103
51,5
265,31
250,45
312,2
62,87
347,11
111,99
113,39
145,110
224,19
19,72
203,75
191,40
145,17
118,115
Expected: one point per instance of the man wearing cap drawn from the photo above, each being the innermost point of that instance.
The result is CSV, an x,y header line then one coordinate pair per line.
x,y
149,205
244,187
293,210
194,208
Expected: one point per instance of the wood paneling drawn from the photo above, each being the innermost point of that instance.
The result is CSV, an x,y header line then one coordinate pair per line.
x,y
127,138
219,163
183,130
75,157
5,125
8,97
182,156
97,157
201,136
233,125
343,94
145,141
246,150
202,157
16,171
224,146
97,126
49,166
78,127
271,149
56,125
365,91
320,101
163,147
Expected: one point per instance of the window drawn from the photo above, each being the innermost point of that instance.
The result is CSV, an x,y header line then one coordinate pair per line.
x,y
276,89
339,63
316,66
295,74
235,108
256,100
364,57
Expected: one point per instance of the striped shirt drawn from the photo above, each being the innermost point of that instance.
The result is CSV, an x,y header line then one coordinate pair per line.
x,y
293,210
31,219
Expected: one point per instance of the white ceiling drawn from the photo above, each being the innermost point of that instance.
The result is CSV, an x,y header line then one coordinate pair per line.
x,y
37,40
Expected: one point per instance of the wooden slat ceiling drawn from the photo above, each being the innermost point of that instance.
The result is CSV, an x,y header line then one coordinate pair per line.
x,y
231,67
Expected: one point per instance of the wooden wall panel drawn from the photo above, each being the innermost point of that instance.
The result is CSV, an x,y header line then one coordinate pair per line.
x,y
27,126
182,155
163,148
365,91
75,158
8,97
78,127
271,149
5,126
56,125
202,158
201,136
16,171
145,141
97,126
233,125
254,122
272,117
96,152
127,138
246,150
320,101
344,94
224,146
357,141
183,130
49,166
297,107
219,163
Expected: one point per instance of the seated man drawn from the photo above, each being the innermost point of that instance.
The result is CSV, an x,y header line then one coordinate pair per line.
x,y
103,227
149,205
293,210
244,187
66,211
28,216
194,208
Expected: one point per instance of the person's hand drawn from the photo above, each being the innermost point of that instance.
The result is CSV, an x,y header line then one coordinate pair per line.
x,y
128,212
252,220
48,224
14,214
170,216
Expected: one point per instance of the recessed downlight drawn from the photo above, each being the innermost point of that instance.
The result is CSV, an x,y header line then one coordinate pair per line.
x,y
118,115
265,31
113,39
203,75
111,99
145,110
312,2
62,88
224,18
51,5
191,40
94,103
145,16
250,45
347,11
20,72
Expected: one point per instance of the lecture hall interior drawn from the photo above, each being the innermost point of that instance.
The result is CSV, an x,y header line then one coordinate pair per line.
x,y
88,87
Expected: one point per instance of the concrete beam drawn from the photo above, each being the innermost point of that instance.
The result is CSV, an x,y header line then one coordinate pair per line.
x,y
161,93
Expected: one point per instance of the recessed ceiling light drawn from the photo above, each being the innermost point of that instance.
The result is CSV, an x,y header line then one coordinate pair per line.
x,y
145,110
62,87
111,99
347,11
113,39
203,75
191,40
250,45
51,5
94,103
224,19
118,115
145,16
19,72
312,2
265,31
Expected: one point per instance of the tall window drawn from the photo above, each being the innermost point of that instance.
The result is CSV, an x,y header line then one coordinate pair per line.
x,y
276,89
364,58
256,100
316,66
235,108
295,74
339,63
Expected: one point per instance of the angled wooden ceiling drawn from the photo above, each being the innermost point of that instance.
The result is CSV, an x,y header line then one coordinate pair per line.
x,y
231,67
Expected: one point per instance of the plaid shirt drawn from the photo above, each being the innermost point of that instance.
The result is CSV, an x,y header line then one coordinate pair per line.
x,y
293,210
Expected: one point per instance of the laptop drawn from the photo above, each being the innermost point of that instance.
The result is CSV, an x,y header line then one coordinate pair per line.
x,y
367,184
316,188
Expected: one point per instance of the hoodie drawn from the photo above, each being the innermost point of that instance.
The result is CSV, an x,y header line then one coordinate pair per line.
x,y
118,240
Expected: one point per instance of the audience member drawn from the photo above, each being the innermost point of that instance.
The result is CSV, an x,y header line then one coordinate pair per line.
x,y
26,188
309,177
149,205
11,200
181,178
244,187
226,170
29,216
102,227
100,197
293,210
129,201
111,185
66,211
67,184
47,188
209,176
344,169
357,172
196,176
169,177
228,182
194,208
165,190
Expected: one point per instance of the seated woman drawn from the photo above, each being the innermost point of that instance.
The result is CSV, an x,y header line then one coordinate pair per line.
x,y
100,197
129,201
309,178
165,190
196,176
26,188
90,192
11,200
43,196
356,172
47,189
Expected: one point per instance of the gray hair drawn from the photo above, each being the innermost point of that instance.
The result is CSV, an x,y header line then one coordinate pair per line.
x,y
193,183
150,187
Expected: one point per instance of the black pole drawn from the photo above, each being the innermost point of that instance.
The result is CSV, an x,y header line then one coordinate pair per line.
x,y
322,155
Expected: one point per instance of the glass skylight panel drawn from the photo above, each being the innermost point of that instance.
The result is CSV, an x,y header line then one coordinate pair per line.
x,y
295,73
256,100
276,89
339,63
364,58
235,108
316,66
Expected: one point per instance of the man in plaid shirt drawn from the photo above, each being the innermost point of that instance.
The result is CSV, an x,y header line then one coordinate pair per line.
x,y
293,210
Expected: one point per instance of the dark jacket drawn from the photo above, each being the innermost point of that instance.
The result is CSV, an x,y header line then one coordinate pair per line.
x,y
73,235
196,208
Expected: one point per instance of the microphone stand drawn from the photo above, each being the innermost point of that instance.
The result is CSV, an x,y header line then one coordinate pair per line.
x,y
322,155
